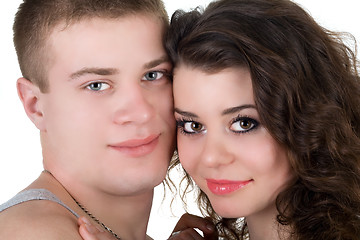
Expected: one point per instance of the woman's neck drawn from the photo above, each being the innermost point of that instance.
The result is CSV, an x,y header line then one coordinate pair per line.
x,y
265,226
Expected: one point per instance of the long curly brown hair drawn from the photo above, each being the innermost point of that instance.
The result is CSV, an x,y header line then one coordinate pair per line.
x,y
307,91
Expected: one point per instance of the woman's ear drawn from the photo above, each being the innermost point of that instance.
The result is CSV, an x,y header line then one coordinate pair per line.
x,y
30,96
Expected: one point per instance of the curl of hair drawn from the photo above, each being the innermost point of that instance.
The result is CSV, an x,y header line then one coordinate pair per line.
x,y
306,88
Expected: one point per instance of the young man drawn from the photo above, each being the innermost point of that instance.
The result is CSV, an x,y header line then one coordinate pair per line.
x,y
96,84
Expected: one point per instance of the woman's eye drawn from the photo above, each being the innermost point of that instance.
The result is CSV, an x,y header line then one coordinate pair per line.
x,y
151,76
189,127
193,127
98,86
243,124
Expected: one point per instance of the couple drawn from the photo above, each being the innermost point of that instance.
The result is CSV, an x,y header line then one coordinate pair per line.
x,y
265,104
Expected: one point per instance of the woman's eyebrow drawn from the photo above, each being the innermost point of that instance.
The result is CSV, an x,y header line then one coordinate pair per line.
x,y
225,112
237,109
186,114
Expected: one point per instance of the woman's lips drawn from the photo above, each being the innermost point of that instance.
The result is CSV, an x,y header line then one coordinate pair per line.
x,y
222,187
137,147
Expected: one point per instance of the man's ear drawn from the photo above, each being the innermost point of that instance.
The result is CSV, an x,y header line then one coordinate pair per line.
x,y
29,95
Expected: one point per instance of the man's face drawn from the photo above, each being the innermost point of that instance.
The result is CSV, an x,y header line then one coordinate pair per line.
x,y
108,115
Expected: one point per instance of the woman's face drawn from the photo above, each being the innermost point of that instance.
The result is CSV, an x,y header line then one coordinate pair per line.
x,y
223,145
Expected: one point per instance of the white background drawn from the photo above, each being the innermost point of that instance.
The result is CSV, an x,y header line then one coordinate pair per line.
x,y
20,152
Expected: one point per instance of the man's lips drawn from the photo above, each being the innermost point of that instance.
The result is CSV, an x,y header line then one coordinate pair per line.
x,y
137,147
222,187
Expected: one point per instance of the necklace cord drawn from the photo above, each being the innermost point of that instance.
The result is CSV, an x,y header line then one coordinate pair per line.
x,y
87,212
97,220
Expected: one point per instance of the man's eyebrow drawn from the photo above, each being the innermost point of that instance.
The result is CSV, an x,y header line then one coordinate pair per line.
x,y
94,71
186,114
237,109
113,71
156,62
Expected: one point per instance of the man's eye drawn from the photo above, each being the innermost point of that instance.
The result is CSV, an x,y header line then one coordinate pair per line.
x,y
151,76
98,86
243,124
193,127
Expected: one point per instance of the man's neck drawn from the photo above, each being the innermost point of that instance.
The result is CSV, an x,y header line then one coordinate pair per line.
x,y
127,216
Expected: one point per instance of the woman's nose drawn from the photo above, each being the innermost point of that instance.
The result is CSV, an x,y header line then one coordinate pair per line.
x,y
215,153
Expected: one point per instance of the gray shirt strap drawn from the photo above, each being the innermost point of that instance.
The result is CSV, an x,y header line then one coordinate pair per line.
x,y
34,194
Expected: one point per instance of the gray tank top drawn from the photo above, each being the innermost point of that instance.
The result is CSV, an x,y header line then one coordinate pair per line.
x,y
34,194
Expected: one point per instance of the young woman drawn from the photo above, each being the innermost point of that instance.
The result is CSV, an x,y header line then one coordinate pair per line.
x,y
267,109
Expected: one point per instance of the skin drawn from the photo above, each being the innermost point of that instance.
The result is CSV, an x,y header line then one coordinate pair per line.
x,y
109,96
106,125
184,229
221,140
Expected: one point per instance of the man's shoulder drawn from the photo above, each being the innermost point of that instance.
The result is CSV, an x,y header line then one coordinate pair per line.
x,y
38,220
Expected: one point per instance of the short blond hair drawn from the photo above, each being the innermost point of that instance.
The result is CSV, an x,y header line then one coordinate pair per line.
x,y
36,19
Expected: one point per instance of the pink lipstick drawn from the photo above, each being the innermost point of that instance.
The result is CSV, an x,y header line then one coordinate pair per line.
x,y
222,187
137,147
